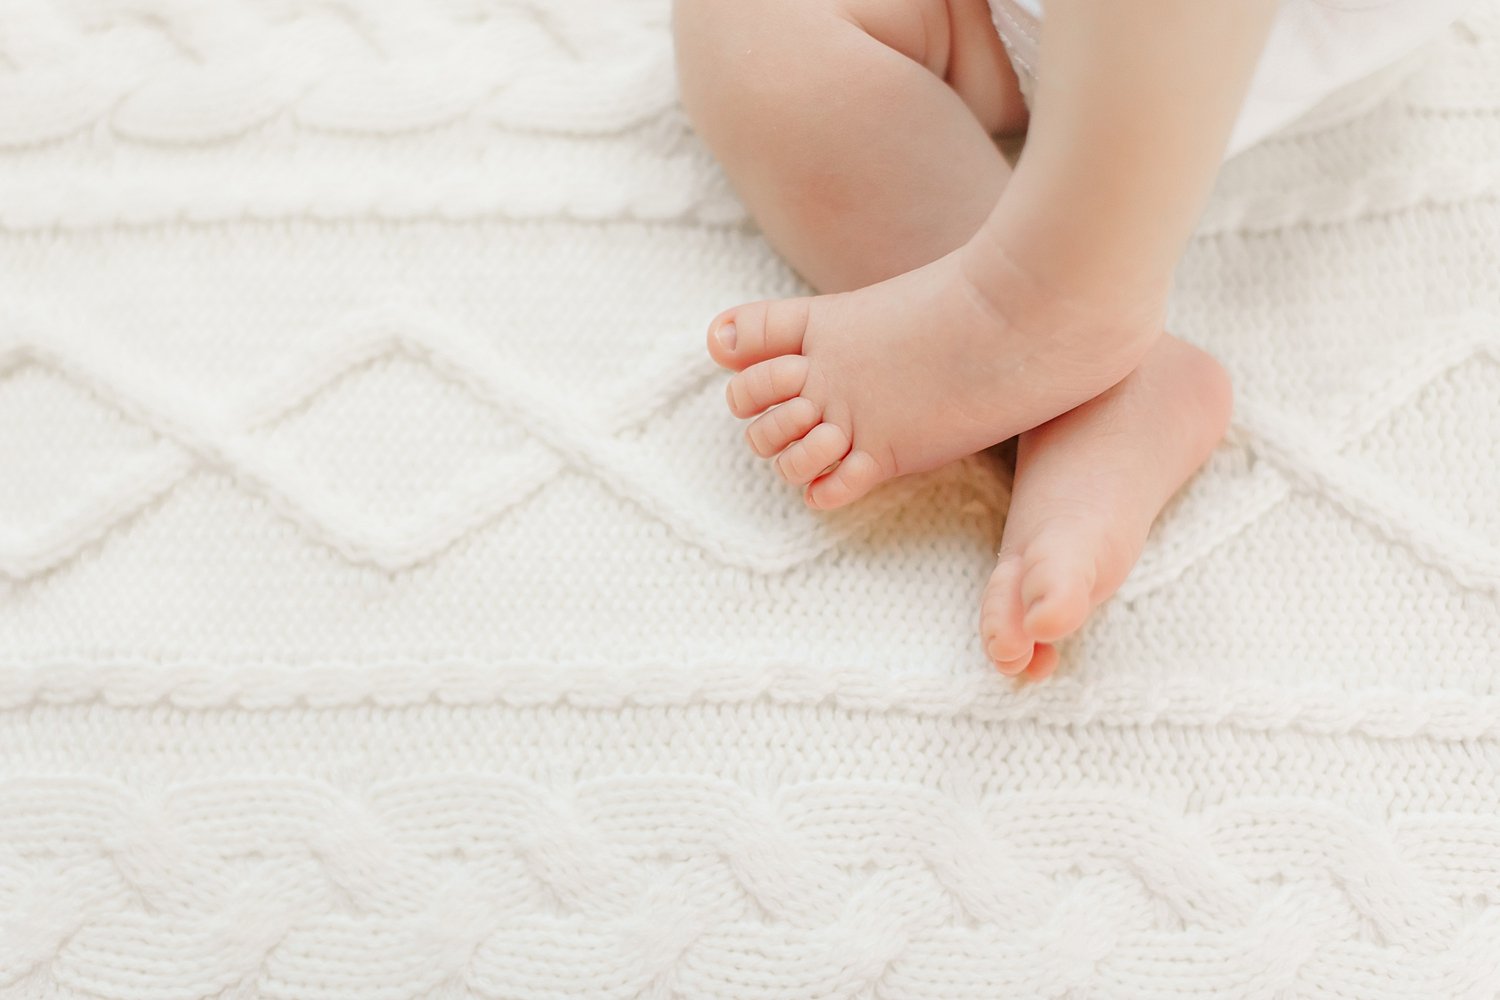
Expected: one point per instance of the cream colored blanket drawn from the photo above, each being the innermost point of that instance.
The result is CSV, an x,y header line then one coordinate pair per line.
x,y
388,608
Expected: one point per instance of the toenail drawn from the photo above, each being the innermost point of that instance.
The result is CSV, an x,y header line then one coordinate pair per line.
x,y
994,653
727,335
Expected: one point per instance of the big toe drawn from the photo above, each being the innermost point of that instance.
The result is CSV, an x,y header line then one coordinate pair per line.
x,y
1005,640
1057,586
752,333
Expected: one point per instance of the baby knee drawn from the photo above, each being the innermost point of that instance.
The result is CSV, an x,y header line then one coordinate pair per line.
x,y
742,63
715,37
709,38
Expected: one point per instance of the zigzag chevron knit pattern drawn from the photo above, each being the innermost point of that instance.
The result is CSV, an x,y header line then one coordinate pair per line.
x,y
389,609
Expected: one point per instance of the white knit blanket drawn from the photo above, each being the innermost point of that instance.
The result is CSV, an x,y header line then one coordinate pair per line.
x,y
389,608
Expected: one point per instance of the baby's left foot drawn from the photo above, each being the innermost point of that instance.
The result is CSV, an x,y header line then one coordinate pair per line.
x,y
1088,486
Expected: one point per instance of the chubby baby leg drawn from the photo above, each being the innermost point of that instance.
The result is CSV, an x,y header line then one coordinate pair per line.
x,y
1055,297
856,131
954,177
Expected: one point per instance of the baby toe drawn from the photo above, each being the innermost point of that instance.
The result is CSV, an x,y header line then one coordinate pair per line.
x,y
1005,641
770,432
1056,589
766,384
1042,664
758,331
855,476
805,460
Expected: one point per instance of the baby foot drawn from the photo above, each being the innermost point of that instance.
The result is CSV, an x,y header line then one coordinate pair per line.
x,y
918,370
1088,486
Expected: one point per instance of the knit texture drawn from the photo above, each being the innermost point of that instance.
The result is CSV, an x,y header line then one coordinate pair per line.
x,y
389,608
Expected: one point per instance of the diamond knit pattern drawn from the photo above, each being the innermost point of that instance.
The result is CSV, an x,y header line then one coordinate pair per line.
x,y
389,607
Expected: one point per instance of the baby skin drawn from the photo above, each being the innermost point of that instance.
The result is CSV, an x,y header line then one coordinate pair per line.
x,y
966,303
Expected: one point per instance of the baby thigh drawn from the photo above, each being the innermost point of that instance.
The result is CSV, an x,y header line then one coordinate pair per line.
x,y
852,122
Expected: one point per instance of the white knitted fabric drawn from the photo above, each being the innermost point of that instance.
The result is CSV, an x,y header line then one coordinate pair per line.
x,y
389,607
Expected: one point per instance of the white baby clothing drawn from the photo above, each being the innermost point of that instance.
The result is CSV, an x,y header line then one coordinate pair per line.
x,y
1320,53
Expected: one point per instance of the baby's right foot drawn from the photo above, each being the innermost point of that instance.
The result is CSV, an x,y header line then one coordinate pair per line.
x,y
921,369
1088,486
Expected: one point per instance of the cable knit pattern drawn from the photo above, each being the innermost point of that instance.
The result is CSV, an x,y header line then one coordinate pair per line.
x,y
389,609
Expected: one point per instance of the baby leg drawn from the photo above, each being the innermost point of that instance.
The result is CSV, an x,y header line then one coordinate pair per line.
x,y
856,131
1064,534
1060,291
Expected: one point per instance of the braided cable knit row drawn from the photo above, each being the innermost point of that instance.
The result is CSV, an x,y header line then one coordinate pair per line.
x,y
508,888
388,608
162,71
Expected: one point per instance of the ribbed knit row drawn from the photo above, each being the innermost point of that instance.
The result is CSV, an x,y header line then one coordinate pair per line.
x,y
388,607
